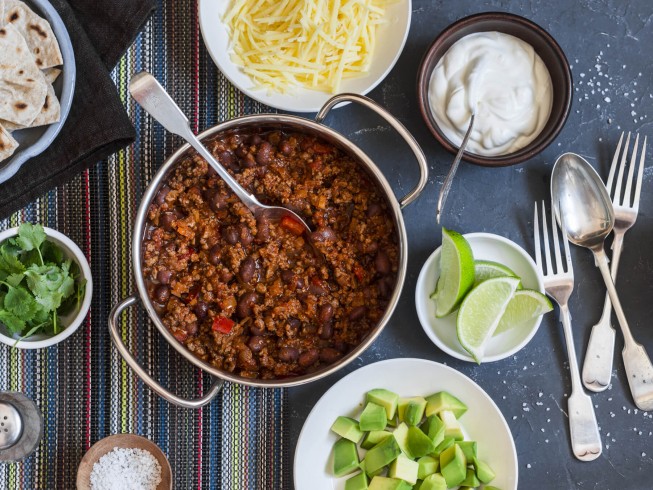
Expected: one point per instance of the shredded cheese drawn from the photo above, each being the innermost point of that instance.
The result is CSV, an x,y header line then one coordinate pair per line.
x,y
310,43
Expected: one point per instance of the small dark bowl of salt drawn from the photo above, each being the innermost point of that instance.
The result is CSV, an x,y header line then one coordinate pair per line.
x,y
124,458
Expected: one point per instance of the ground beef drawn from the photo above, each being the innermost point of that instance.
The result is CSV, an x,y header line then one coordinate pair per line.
x,y
249,296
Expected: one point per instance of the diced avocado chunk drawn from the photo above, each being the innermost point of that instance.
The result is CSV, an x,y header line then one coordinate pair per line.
x,y
385,483
483,471
444,401
445,444
470,480
345,457
348,428
370,474
387,399
401,436
469,448
434,482
411,410
426,465
393,422
453,465
451,425
405,469
434,428
357,482
419,444
373,437
381,455
373,417
490,487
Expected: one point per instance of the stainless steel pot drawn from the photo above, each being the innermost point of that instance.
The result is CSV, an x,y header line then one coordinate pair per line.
x,y
288,123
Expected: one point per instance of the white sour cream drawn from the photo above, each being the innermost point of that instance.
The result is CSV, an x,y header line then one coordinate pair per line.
x,y
501,80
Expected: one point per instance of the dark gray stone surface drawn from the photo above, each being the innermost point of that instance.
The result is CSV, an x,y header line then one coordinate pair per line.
x,y
605,41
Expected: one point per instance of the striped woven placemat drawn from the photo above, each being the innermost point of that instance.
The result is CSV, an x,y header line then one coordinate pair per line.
x,y
82,387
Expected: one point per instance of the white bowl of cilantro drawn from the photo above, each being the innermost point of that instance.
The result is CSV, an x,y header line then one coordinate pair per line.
x,y
45,287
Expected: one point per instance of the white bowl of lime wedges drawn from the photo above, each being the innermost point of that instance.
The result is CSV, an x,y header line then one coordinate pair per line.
x,y
493,301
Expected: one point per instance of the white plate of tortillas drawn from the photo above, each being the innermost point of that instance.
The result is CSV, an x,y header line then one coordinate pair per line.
x,y
37,80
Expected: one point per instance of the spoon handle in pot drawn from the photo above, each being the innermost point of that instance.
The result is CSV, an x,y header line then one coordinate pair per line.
x,y
148,92
639,369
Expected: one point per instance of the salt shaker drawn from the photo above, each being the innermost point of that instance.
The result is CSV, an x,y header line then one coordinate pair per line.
x,y
21,426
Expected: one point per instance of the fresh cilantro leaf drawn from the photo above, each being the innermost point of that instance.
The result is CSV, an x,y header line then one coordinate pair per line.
x,y
9,261
19,302
13,323
31,257
42,315
30,236
2,300
51,301
15,279
51,253
44,279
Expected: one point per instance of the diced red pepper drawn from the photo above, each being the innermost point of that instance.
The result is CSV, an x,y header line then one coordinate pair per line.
x,y
292,225
359,272
222,324
192,294
322,148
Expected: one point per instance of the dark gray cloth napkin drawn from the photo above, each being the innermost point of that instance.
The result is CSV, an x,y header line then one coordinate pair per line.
x,y
97,125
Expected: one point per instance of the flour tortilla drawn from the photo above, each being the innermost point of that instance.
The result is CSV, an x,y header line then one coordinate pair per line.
x,y
37,32
51,110
22,85
8,144
51,74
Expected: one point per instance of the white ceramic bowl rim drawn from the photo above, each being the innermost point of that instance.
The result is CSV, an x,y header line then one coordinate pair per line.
x,y
80,258
434,337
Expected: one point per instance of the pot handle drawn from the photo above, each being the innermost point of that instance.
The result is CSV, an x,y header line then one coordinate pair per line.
x,y
394,122
138,369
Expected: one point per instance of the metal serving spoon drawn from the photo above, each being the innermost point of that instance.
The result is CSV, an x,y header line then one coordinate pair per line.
x,y
152,97
581,200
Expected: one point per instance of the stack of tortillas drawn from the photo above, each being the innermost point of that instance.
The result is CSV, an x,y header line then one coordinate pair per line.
x,y
29,57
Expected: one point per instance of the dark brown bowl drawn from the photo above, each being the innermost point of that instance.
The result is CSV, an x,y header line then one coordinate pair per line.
x,y
545,46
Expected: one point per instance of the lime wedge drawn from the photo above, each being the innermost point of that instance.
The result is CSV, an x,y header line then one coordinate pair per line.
x,y
481,311
486,269
525,305
456,273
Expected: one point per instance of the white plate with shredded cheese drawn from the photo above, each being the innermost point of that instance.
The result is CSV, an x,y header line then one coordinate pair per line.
x,y
294,55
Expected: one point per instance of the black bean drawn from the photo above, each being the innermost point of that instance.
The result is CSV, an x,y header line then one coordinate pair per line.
x,y
226,275
245,235
285,147
262,229
288,354
329,355
357,312
226,158
241,151
264,153
214,254
218,202
161,195
246,359
382,263
161,294
230,234
255,139
287,276
323,235
316,289
166,220
308,357
256,343
247,269
256,330
374,209
245,303
208,194
294,324
326,331
164,276
325,314
201,310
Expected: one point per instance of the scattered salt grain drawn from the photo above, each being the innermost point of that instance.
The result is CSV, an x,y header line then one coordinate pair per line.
x,y
127,469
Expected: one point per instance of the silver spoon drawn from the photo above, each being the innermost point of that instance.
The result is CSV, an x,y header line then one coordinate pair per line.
x,y
446,185
581,200
152,97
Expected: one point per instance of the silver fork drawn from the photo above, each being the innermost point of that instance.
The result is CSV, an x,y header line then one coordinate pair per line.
x,y
558,284
597,367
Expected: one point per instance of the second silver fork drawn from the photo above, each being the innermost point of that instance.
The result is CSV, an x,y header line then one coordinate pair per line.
x,y
597,366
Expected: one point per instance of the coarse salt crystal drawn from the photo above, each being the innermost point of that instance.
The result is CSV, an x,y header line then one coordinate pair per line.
x,y
127,469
